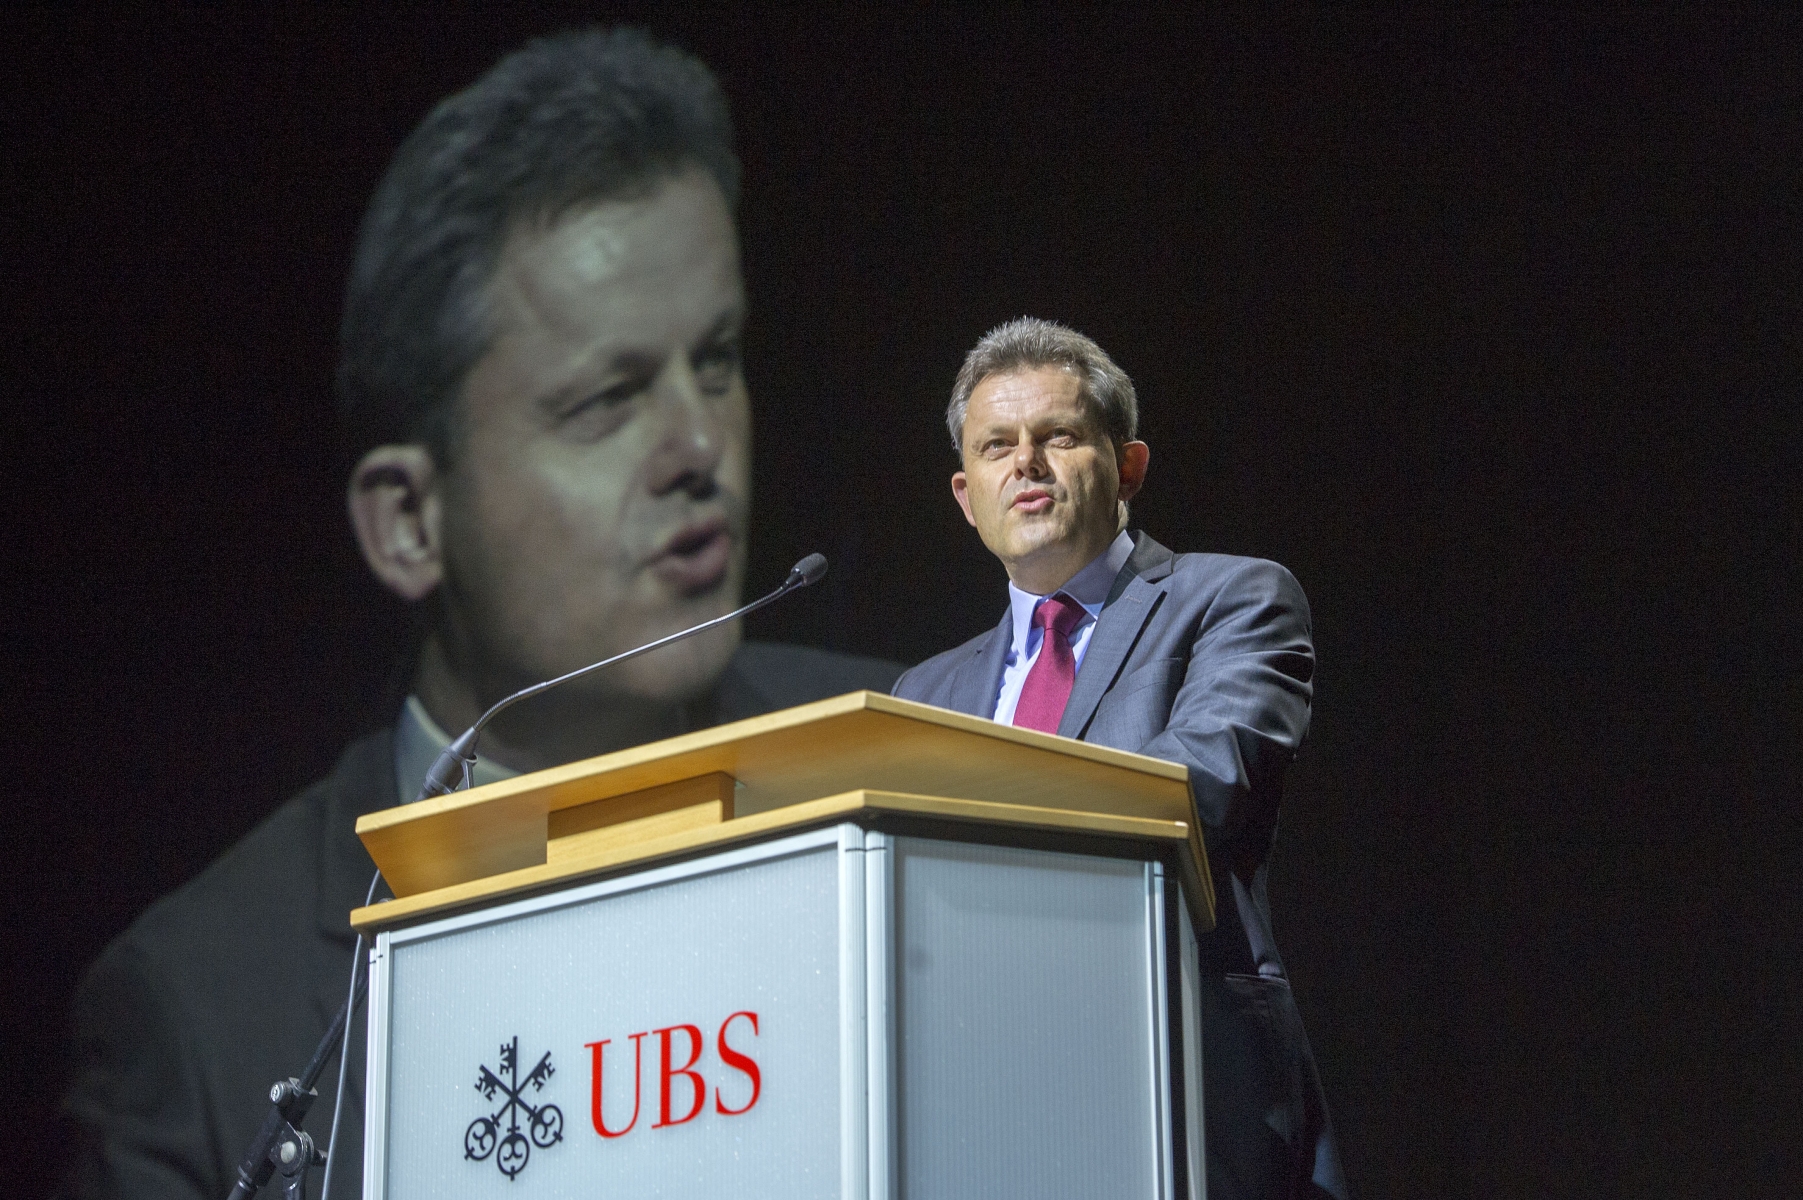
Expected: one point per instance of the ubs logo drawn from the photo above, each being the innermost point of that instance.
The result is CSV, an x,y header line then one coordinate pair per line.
x,y
682,1091
543,1122
733,1082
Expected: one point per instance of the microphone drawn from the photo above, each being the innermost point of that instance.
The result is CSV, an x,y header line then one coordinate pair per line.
x,y
452,769
280,1136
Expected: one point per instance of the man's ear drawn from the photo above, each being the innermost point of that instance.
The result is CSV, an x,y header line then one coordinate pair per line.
x,y
1134,458
396,511
961,489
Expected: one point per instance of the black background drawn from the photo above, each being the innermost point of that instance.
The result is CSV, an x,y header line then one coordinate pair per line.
x,y
1486,326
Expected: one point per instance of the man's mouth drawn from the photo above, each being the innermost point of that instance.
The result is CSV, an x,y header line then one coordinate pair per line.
x,y
695,558
1032,500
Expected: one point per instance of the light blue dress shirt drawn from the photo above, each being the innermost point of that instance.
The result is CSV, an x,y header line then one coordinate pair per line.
x,y
418,741
1088,587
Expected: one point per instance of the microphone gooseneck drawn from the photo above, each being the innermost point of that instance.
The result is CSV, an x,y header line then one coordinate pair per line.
x,y
280,1135
455,763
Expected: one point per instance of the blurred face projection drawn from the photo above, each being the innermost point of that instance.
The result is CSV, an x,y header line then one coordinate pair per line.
x,y
1041,480
598,497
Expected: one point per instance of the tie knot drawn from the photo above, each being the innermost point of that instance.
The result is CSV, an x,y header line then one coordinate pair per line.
x,y
1058,614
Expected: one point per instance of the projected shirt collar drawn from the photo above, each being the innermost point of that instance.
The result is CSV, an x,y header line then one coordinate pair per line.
x,y
418,741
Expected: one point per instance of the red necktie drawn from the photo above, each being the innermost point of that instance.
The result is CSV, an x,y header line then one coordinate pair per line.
x,y
1048,686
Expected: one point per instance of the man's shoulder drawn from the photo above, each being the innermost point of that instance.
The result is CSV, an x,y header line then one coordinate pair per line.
x,y
1231,566
1211,573
219,986
1152,558
265,886
768,676
1236,592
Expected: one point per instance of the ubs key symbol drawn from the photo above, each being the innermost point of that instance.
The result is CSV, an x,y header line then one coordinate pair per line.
x,y
544,1122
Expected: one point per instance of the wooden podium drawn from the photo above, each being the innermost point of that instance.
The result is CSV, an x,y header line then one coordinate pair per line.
x,y
860,948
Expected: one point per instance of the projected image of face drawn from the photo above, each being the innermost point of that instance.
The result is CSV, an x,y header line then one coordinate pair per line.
x,y
597,497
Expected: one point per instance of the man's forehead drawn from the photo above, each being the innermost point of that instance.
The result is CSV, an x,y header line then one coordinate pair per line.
x,y
631,264
591,245
1027,392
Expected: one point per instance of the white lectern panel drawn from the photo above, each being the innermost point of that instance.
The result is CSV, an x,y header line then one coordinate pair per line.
x,y
836,1013
697,1007
1030,1037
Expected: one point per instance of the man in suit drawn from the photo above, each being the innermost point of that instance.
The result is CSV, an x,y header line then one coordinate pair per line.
x,y
540,374
1201,659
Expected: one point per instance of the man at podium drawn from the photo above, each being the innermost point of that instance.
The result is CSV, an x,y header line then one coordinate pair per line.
x,y
540,375
1202,659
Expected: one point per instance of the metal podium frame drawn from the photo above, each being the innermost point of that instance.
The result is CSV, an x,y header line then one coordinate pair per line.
x,y
867,831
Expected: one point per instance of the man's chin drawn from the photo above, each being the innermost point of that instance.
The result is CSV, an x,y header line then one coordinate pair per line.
x,y
681,671
1030,541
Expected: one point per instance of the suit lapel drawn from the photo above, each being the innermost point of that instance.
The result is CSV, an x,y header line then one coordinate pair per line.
x,y
977,681
1137,592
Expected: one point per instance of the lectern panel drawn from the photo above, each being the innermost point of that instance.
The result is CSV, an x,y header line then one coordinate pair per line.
x,y
845,1012
677,1035
1028,1001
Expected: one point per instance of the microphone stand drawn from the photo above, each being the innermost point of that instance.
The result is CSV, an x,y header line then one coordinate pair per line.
x,y
456,762
280,1144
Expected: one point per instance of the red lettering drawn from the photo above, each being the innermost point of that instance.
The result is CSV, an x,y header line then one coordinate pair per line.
x,y
739,1062
638,1046
666,1075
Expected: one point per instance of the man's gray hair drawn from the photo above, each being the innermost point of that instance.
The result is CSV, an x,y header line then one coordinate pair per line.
x,y
1028,342
565,121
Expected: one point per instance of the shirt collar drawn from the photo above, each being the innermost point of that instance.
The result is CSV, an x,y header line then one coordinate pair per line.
x,y
1088,587
418,741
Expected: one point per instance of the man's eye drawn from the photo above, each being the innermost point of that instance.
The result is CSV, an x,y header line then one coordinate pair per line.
x,y
718,366
600,413
616,394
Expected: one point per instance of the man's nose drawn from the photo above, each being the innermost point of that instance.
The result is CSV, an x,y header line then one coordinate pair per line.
x,y
692,438
1029,463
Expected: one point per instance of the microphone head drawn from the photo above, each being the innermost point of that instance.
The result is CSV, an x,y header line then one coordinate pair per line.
x,y
811,569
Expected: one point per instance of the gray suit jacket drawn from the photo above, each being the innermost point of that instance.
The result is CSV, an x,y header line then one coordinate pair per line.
x,y
228,983
1206,660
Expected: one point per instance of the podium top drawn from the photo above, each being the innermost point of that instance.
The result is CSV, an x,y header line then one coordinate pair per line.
x,y
440,852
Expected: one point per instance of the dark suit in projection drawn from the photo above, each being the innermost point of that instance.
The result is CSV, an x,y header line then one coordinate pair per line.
x,y
228,983
1206,660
